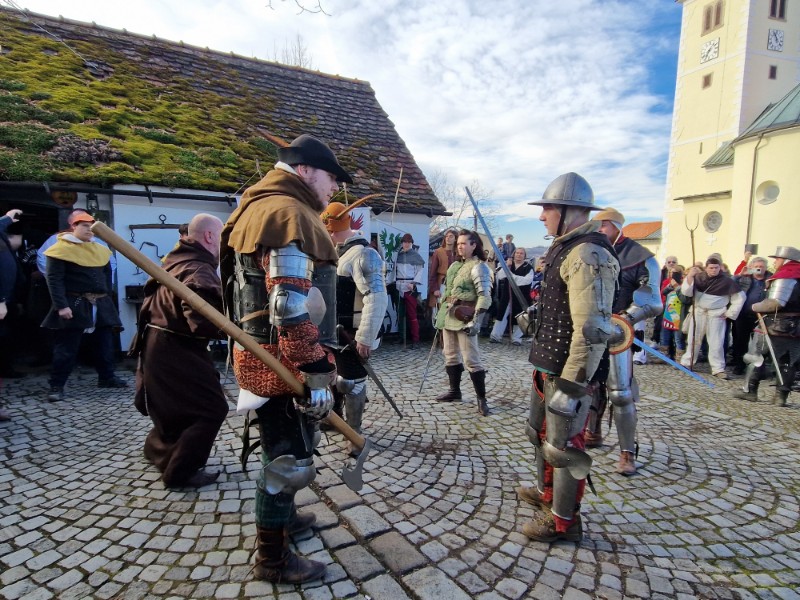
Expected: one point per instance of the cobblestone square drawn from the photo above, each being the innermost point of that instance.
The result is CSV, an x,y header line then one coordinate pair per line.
x,y
712,513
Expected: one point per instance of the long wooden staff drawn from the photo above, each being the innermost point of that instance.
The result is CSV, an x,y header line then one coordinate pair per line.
x,y
217,318
694,294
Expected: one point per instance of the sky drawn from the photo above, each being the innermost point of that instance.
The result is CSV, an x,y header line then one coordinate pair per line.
x,y
506,93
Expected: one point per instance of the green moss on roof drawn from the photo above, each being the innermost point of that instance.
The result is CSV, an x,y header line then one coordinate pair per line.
x,y
163,134
137,109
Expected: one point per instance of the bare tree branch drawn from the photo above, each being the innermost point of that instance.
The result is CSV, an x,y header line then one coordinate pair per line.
x,y
302,6
455,200
296,54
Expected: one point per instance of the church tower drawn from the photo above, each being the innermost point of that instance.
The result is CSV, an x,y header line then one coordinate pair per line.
x,y
736,59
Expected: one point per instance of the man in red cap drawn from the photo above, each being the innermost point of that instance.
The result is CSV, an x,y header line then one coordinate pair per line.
x,y
360,308
79,279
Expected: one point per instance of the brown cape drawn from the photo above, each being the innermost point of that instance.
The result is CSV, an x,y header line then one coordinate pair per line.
x,y
278,210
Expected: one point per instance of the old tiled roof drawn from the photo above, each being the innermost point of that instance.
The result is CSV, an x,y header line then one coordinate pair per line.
x,y
648,230
125,108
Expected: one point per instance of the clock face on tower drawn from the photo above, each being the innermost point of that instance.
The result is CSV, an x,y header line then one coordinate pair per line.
x,y
709,50
775,40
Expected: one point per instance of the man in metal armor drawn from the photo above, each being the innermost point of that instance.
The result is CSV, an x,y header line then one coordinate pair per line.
x,y
467,297
638,299
781,314
273,245
360,307
571,334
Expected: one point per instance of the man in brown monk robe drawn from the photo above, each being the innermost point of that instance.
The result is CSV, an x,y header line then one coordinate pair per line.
x,y
177,384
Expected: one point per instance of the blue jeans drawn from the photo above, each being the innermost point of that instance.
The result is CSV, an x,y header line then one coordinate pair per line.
x,y
66,343
668,337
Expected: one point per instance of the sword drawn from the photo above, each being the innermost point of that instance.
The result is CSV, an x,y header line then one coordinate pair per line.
x,y
368,368
428,362
771,349
671,362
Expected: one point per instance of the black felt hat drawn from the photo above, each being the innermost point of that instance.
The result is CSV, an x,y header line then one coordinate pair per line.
x,y
308,150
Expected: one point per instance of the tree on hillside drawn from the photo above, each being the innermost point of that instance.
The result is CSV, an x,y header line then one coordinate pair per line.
x,y
455,200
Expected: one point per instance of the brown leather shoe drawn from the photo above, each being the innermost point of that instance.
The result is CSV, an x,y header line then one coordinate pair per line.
x,y
626,465
532,496
543,529
593,440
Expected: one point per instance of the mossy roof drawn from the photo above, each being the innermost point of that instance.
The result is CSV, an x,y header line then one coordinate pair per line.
x,y
116,107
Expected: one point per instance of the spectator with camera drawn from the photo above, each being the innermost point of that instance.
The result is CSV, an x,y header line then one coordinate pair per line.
x,y
753,282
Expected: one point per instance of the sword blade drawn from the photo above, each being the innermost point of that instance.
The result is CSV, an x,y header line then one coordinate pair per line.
x,y
671,362
428,362
769,346
374,376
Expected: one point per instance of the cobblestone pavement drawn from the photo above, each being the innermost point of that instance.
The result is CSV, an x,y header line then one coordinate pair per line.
x,y
712,513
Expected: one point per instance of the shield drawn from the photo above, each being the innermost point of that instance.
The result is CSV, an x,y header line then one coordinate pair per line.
x,y
623,335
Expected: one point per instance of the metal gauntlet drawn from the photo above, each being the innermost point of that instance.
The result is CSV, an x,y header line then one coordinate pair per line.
x,y
318,399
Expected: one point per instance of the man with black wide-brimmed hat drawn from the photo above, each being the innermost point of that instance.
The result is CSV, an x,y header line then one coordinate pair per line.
x,y
272,246
572,330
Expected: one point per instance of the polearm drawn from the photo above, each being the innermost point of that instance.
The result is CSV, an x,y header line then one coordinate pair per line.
x,y
217,318
511,281
428,362
694,290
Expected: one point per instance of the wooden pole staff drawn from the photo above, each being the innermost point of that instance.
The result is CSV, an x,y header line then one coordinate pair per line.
x,y
217,318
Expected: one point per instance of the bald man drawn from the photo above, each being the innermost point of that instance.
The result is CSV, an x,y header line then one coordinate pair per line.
x,y
177,384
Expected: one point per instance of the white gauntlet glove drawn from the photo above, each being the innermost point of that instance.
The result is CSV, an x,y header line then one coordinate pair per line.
x,y
318,399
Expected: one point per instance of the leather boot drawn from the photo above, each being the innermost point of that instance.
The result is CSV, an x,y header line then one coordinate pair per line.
x,y
780,397
454,374
626,465
299,521
479,383
275,563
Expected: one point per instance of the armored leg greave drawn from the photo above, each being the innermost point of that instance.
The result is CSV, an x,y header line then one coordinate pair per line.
x,y
594,427
565,494
354,402
752,379
622,394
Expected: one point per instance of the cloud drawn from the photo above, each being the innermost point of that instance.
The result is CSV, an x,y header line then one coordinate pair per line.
x,y
507,93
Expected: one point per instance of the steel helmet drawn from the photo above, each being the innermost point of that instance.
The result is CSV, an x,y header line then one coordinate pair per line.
x,y
787,252
569,189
